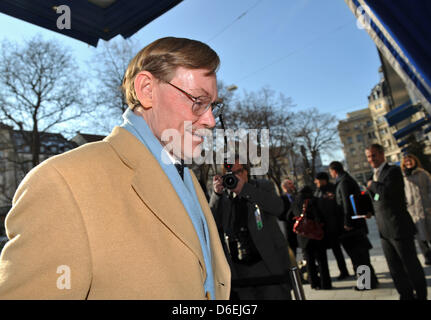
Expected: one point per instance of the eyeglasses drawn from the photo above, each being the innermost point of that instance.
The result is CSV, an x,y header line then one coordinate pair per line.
x,y
201,104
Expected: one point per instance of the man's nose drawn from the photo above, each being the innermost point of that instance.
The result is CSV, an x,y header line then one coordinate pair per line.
x,y
207,119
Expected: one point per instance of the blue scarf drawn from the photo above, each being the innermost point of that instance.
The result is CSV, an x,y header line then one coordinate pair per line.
x,y
185,189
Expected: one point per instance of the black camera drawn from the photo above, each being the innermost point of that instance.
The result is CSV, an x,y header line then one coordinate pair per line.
x,y
230,181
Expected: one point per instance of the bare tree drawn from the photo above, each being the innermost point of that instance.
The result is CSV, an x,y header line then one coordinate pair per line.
x,y
40,89
109,64
266,110
317,133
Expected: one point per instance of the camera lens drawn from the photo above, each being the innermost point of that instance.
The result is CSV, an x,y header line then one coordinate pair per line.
x,y
230,181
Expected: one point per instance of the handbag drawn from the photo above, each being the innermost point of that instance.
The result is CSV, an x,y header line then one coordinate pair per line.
x,y
306,227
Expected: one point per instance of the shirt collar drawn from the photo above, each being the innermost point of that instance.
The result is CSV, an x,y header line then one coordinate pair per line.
x,y
171,157
380,167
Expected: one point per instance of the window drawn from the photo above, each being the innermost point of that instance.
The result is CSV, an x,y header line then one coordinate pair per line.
x,y
378,106
369,123
383,132
380,119
349,140
376,94
371,135
352,151
359,138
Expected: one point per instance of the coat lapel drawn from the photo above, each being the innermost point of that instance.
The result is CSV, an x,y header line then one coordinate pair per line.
x,y
154,188
383,173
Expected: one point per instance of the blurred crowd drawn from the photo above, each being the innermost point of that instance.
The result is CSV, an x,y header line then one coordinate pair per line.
x,y
262,238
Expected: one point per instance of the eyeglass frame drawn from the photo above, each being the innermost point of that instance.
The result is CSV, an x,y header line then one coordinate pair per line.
x,y
218,106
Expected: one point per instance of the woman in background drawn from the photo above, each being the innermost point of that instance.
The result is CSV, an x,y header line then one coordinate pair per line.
x,y
417,183
314,250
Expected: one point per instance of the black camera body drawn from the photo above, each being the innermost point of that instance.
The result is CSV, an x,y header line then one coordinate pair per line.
x,y
230,181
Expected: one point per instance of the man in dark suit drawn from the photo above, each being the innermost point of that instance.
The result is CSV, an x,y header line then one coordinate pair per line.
x,y
334,221
395,225
255,247
354,237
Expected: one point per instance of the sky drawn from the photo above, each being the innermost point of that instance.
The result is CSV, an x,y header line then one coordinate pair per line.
x,y
309,50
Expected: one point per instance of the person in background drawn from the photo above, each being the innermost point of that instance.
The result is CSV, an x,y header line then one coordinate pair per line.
x,y
288,196
354,237
418,195
325,194
255,247
314,251
395,225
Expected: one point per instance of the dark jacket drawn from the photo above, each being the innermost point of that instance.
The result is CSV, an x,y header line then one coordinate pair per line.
x,y
334,222
289,222
312,213
270,241
389,201
346,186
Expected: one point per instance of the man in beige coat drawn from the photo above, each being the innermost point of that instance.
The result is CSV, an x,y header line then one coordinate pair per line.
x,y
113,219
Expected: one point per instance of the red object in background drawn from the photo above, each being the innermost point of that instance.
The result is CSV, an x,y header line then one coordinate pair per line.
x,y
306,227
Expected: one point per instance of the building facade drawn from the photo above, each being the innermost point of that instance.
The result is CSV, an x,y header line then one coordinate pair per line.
x,y
356,132
367,126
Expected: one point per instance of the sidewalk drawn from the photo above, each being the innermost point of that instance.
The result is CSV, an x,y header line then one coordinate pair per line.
x,y
342,290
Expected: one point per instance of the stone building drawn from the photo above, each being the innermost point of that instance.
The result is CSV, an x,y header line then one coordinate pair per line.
x,y
356,132
366,126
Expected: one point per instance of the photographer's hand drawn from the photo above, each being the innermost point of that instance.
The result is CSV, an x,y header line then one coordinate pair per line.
x,y
218,184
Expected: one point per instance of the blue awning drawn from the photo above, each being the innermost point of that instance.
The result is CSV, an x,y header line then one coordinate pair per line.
x,y
401,30
411,128
402,143
401,113
91,20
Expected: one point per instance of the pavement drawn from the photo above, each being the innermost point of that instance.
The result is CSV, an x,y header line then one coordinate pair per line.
x,y
343,290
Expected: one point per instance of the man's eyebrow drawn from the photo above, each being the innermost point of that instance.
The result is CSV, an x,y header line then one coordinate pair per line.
x,y
202,95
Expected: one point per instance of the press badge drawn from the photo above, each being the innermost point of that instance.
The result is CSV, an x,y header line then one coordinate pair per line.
x,y
376,197
258,217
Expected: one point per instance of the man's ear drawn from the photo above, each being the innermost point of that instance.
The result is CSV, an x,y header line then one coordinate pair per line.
x,y
144,82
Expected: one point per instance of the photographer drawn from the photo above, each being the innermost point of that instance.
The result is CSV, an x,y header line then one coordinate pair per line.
x,y
257,252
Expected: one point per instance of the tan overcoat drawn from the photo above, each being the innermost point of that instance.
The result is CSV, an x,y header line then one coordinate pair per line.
x,y
104,222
